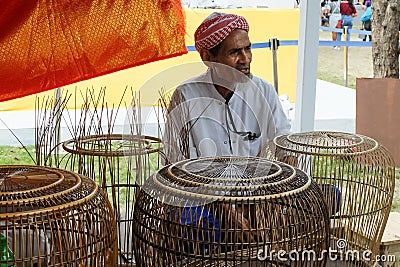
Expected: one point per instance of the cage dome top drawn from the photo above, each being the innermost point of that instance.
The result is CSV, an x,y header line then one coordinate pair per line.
x,y
35,189
225,179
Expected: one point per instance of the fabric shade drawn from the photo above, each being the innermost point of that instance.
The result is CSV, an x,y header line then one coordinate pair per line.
x,y
47,44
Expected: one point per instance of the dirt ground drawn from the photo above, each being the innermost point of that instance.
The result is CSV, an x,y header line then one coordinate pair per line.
x,y
331,62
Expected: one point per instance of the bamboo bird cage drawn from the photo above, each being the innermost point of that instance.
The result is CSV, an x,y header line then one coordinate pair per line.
x,y
357,177
115,153
229,211
53,217
119,164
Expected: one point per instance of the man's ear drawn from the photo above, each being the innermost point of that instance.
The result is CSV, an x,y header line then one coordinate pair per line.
x,y
206,55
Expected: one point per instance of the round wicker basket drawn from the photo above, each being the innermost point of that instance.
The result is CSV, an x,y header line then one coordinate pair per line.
x,y
118,163
229,211
356,175
53,217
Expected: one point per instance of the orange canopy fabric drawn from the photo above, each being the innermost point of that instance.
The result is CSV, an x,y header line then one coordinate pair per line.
x,y
45,44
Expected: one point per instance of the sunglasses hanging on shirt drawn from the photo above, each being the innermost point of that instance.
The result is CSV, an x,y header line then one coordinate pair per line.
x,y
248,135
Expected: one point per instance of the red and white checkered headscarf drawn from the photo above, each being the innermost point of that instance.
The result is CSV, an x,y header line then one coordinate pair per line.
x,y
216,27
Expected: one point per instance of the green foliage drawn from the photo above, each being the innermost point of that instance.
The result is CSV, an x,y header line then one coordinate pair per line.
x,y
11,155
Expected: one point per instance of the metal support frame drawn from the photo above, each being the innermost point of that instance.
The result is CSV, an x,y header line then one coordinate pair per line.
x,y
274,43
345,56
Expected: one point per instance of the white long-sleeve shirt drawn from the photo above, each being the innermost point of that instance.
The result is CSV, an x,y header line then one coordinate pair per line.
x,y
199,124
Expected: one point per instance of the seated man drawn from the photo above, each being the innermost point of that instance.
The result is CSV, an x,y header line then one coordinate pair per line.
x,y
227,111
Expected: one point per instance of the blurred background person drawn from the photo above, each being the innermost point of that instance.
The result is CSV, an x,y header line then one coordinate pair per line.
x,y
348,11
325,13
334,17
366,19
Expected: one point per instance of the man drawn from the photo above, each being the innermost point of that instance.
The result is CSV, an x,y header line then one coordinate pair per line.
x,y
325,13
366,19
226,111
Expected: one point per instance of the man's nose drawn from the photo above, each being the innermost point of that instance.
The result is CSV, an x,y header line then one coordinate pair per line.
x,y
244,56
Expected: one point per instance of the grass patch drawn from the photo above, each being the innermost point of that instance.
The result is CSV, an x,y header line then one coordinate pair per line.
x,y
331,62
11,155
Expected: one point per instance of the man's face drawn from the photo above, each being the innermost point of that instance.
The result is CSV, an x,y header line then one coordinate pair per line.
x,y
235,51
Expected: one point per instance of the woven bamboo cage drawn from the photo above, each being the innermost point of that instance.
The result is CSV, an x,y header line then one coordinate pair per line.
x,y
105,142
229,211
53,217
119,164
357,177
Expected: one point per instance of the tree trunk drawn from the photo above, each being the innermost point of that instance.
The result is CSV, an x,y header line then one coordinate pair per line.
x,y
385,38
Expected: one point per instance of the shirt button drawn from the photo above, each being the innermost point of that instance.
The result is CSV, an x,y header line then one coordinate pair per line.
x,y
225,142
220,103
